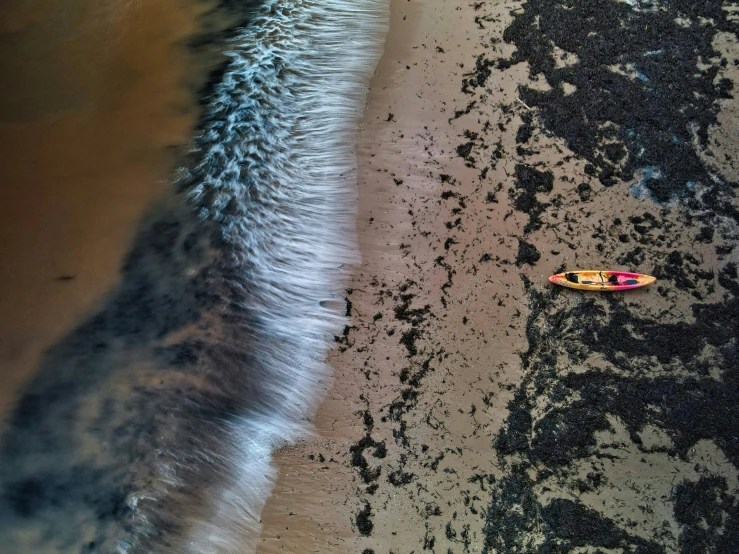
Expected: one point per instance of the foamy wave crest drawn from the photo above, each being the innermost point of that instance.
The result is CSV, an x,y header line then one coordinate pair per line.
x,y
276,178
150,427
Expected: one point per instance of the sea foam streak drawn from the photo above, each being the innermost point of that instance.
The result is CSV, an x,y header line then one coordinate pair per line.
x,y
150,427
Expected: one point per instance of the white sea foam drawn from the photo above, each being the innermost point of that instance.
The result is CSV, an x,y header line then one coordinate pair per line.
x,y
276,174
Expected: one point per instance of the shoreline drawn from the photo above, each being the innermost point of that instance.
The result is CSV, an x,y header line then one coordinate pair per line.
x,y
401,163
152,421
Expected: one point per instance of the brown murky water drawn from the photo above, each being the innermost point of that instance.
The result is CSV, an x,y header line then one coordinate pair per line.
x,y
96,96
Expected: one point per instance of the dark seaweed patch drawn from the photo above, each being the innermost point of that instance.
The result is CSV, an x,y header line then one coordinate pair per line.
x,y
515,517
581,526
701,507
408,339
633,258
400,478
690,409
465,151
622,123
524,133
682,269
527,253
529,182
584,191
364,520
479,76
727,278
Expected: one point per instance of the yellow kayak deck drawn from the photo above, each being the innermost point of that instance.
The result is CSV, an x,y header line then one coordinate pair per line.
x,y
602,280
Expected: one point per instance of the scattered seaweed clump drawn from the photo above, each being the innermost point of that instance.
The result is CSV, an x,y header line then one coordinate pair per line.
x,y
530,181
584,191
364,520
527,254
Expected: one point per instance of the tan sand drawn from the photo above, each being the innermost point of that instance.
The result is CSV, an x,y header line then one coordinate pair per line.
x,y
315,502
433,488
95,102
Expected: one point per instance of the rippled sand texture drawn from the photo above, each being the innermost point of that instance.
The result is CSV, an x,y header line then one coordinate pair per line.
x,y
94,102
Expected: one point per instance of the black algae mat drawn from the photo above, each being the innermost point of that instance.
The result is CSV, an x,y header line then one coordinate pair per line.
x,y
636,100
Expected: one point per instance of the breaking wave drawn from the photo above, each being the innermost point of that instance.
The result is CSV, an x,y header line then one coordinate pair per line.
x,y
150,427
276,177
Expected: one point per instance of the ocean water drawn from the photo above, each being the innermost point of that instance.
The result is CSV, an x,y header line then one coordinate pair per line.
x,y
96,101
149,427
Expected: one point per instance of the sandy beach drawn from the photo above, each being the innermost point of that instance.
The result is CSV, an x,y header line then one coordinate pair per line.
x,y
166,339
475,408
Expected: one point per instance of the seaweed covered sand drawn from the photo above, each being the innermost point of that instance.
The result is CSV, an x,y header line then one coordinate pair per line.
x,y
475,407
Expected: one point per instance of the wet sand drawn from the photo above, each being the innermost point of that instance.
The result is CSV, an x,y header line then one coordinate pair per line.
x,y
97,103
474,407
402,234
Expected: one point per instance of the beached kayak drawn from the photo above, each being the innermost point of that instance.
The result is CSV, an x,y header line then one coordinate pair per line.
x,y
602,280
